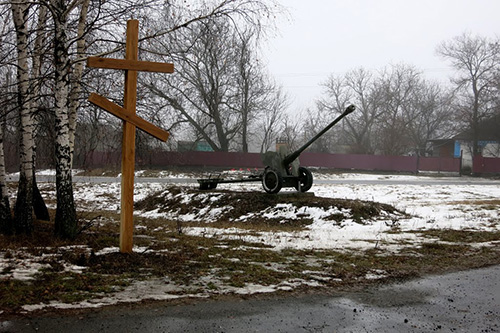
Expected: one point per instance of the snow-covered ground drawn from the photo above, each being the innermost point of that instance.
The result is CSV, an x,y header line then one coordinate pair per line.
x,y
466,206
467,203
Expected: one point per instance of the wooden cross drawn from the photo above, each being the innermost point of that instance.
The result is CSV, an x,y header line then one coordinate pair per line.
x,y
130,121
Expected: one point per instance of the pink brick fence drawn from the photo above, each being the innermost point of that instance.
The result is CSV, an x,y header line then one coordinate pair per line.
x,y
410,164
486,165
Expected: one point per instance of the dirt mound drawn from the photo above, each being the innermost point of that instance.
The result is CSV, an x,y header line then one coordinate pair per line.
x,y
188,204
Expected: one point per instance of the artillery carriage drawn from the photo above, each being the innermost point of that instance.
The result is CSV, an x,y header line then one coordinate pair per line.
x,y
282,169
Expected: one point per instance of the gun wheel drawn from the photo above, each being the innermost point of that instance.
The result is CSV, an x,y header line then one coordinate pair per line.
x,y
208,185
305,180
272,181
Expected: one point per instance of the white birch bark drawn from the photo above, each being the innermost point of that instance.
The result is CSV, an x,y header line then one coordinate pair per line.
x,y
65,222
5,212
77,72
39,207
37,57
24,202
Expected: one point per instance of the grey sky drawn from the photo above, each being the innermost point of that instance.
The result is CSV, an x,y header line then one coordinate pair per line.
x,y
324,37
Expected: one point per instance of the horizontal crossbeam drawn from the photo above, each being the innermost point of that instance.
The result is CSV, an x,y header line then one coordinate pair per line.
x,y
123,114
134,65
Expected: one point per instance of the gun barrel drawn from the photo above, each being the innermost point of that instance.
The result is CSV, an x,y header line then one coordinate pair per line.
x,y
293,156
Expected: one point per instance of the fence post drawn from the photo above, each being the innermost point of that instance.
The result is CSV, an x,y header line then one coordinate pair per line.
x,y
417,166
460,163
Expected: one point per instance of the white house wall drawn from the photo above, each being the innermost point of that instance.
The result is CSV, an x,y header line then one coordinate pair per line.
x,y
489,149
492,149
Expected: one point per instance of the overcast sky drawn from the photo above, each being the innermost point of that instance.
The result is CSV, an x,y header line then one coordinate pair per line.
x,y
324,37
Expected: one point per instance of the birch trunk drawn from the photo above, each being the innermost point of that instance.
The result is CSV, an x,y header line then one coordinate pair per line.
x,y
65,222
5,213
39,207
76,87
24,202
6,220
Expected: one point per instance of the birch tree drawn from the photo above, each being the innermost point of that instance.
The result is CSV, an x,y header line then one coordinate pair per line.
x,y
5,213
39,207
6,221
67,91
24,202
77,73
69,50
28,198
65,221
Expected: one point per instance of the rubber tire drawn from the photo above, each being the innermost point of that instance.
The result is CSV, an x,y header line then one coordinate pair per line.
x,y
204,186
272,181
305,180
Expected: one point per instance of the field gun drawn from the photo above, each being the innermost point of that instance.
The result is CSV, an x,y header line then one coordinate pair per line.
x,y
282,168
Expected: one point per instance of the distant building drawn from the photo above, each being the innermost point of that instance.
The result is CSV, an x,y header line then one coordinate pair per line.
x,y
461,144
282,142
442,148
184,146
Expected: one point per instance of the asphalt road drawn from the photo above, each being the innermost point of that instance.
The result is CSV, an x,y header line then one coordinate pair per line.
x,y
466,301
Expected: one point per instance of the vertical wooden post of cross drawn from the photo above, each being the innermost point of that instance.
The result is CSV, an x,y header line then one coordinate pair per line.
x,y
128,143
131,121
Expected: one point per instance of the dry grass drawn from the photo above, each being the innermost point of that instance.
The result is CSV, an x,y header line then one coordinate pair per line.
x,y
244,203
209,264
487,204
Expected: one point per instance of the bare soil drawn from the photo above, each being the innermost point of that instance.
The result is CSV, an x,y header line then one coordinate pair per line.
x,y
208,265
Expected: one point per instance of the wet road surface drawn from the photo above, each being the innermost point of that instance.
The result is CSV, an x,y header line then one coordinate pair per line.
x,y
458,302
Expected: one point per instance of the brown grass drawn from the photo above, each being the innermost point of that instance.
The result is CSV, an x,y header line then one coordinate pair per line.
x,y
185,259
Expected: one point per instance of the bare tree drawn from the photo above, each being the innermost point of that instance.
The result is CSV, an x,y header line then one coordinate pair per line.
x,y
292,131
270,124
313,122
476,60
65,221
398,85
6,221
431,115
218,88
397,111
357,87
24,202
255,93
201,90
77,73
39,207
367,96
5,213
68,72
75,29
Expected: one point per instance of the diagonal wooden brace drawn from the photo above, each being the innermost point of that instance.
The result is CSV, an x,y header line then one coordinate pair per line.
x,y
123,114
